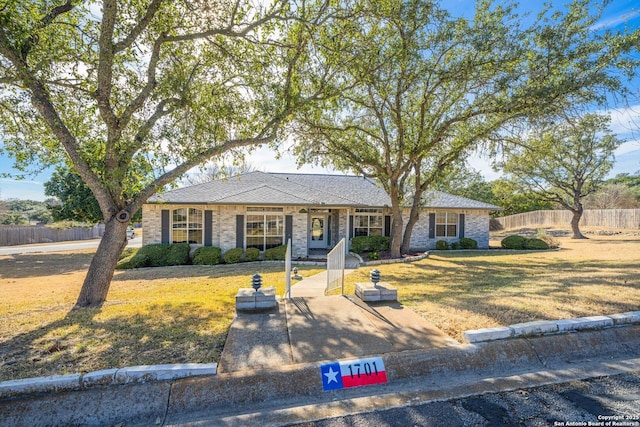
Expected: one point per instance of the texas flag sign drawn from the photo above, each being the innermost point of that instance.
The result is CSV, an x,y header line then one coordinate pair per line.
x,y
353,373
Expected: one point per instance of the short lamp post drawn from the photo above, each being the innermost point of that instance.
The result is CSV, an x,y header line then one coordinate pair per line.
x,y
256,281
375,277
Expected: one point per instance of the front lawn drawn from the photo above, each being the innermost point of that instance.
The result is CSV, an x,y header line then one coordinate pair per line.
x,y
182,314
152,315
458,291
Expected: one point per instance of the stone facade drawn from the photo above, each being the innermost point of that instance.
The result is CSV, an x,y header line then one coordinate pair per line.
x,y
224,226
476,227
151,224
298,232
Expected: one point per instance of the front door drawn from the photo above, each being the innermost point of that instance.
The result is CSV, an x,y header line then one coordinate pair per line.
x,y
318,231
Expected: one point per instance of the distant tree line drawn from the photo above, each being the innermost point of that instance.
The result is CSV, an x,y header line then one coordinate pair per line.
x,y
23,212
620,192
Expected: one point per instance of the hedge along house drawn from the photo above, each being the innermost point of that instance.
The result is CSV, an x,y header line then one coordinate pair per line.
x,y
263,210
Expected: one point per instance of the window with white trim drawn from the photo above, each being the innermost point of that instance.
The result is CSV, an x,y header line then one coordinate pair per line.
x,y
186,226
264,228
368,222
446,224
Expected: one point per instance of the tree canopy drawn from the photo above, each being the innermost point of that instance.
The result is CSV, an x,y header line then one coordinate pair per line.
x,y
132,94
423,88
74,200
562,161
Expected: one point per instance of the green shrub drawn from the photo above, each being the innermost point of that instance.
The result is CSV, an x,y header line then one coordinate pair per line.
x,y
128,253
133,261
551,241
154,254
252,254
361,244
178,254
513,242
277,253
442,245
380,243
455,246
536,244
159,255
207,255
373,256
466,243
233,256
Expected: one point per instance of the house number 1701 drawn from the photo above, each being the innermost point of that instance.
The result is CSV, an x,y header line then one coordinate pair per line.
x,y
367,369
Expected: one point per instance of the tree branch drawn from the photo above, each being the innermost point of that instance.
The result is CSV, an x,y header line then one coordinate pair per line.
x,y
55,12
142,24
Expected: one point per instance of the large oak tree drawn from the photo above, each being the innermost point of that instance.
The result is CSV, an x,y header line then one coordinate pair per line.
x,y
562,161
426,88
132,94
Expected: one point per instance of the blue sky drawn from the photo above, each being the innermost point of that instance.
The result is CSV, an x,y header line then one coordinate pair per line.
x,y
625,121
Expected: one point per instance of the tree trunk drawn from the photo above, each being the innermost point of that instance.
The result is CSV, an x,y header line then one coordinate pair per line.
x,y
575,223
408,231
396,224
396,233
96,283
414,216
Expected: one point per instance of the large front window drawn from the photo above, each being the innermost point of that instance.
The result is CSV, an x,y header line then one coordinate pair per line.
x,y
265,228
187,226
446,224
368,222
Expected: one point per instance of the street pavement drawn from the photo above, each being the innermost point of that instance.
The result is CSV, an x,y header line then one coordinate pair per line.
x,y
592,402
136,242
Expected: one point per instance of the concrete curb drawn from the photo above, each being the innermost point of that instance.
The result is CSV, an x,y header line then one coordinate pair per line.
x,y
128,375
486,360
171,400
548,327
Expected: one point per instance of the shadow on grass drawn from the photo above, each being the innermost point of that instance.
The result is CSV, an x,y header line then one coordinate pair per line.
x,y
50,264
86,340
203,271
42,264
507,291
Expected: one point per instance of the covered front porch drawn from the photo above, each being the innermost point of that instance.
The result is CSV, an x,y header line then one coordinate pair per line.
x,y
326,226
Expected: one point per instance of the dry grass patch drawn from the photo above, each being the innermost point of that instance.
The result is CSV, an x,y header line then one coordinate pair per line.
x,y
460,291
152,316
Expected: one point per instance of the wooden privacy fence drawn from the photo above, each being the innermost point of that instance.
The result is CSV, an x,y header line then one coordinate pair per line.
x,y
17,235
610,218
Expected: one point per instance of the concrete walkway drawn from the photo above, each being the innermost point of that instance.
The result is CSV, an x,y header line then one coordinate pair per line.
x,y
314,286
311,327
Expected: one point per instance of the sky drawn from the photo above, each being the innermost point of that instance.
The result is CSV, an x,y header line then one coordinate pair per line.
x,y
625,122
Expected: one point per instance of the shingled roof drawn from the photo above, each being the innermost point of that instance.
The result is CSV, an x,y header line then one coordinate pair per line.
x,y
290,189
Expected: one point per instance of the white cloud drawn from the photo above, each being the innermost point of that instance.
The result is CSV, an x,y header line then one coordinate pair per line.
x,y
614,21
628,147
624,121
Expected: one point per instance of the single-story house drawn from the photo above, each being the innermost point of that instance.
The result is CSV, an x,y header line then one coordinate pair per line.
x,y
263,210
